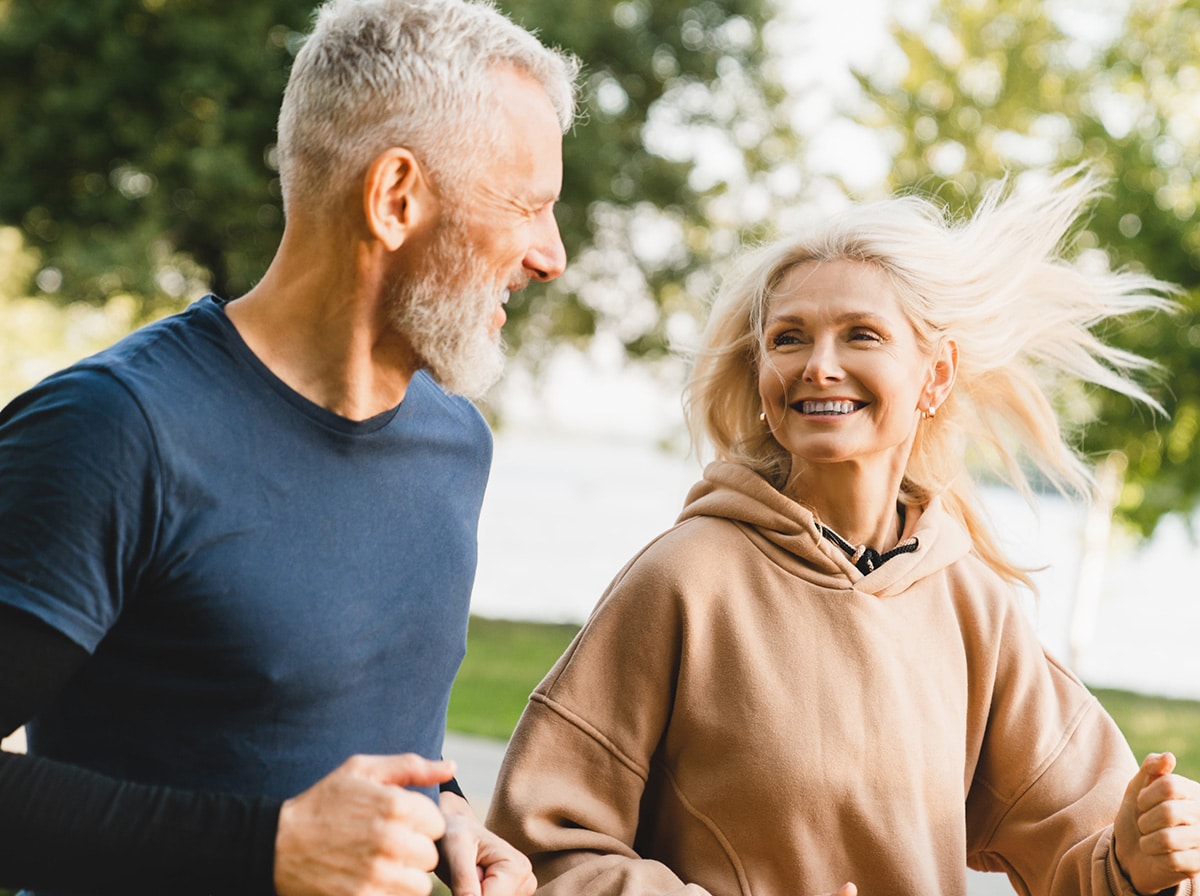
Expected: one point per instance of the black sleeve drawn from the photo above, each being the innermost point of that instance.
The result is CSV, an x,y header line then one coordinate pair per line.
x,y
451,786
64,827
36,662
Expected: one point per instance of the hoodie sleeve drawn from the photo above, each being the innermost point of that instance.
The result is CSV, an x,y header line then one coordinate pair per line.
x,y
571,788
1051,774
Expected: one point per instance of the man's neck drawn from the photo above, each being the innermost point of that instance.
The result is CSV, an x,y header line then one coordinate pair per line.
x,y
323,331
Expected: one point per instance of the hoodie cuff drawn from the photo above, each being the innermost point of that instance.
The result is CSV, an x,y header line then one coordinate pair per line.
x,y
1119,881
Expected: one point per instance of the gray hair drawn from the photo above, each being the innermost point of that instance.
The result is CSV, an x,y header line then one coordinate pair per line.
x,y
413,73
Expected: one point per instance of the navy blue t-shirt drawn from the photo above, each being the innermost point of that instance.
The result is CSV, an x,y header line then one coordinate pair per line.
x,y
266,587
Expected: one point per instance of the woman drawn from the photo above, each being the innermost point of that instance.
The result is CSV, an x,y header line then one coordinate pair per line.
x,y
823,673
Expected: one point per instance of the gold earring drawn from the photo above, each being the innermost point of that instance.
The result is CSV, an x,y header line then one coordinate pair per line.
x,y
762,416
928,413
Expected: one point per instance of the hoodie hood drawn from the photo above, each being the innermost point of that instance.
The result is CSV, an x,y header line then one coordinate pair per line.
x,y
789,533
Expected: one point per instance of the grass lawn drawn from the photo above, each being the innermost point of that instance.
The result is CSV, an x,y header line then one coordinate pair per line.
x,y
505,661
1157,724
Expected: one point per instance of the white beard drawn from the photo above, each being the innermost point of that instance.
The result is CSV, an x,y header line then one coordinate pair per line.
x,y
446,317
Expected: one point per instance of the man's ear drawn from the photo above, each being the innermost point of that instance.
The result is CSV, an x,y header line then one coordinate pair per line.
x,y
397,196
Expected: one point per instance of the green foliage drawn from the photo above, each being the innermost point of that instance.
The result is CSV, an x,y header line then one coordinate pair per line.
x,y
504,663
999,86
140,138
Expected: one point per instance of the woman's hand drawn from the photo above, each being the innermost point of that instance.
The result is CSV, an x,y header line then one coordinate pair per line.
x,y
1157,831
475,862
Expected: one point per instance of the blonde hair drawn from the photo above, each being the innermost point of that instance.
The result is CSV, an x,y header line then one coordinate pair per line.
x,y
1023,317
412,73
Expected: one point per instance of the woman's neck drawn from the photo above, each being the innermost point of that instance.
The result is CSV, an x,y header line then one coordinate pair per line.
x,y
860,504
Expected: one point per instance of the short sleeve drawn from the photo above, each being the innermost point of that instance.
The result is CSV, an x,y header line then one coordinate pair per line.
x,y
78,501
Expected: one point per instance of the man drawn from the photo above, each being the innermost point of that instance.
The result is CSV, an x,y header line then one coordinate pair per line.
x,y
238,547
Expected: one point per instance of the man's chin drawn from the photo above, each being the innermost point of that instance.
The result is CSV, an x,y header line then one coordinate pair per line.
x,y
472,379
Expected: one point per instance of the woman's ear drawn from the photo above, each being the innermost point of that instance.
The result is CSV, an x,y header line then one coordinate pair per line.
x,y
397,197
942,371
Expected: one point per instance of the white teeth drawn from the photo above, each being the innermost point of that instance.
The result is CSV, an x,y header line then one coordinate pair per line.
x,y
827,407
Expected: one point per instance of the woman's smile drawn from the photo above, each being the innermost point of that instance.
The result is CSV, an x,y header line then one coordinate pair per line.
x,y
828,407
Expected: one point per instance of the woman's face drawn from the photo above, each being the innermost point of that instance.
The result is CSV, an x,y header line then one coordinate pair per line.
x,y
844,377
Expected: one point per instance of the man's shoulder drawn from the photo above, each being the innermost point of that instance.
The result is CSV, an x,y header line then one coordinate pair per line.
x,y
120,386
149,351
164,340
83,398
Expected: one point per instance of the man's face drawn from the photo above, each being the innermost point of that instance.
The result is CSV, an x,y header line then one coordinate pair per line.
x,y
495,233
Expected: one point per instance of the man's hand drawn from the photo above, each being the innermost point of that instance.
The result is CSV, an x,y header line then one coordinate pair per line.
x,y
358,832
1157,831
475,862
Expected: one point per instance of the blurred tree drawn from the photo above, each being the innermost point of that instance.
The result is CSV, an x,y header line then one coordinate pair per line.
x,y
40,337
139,137
999,86
137,134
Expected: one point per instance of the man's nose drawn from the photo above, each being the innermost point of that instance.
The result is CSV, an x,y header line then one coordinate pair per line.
x,y
547,257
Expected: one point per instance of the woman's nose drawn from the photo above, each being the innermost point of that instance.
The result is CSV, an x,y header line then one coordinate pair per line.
x,y
823,364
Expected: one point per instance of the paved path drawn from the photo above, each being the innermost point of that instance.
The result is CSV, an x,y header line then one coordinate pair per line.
x,y
479,760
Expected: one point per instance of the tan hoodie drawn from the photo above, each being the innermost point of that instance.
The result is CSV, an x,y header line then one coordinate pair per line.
x,y
745,712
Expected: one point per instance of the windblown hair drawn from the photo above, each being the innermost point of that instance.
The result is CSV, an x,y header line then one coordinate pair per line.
x,y
413,73
998,284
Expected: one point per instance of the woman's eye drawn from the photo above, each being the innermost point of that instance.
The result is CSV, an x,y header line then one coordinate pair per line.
x,y
865,336
784,339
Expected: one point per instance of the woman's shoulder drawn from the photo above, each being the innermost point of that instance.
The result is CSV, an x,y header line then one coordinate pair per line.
x,y
679,571
979,590
690,550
